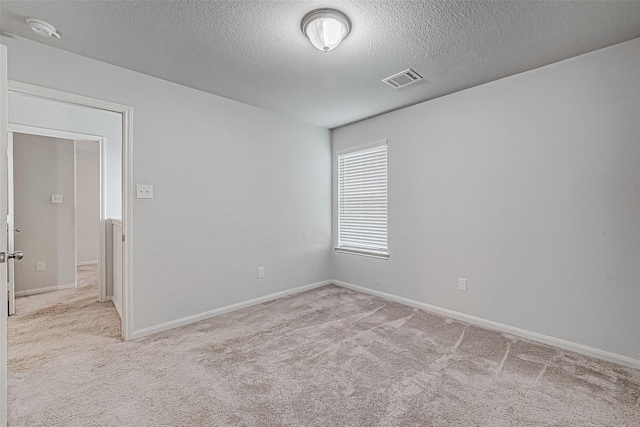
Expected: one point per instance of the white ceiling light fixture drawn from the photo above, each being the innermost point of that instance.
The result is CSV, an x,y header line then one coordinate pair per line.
x,y
42,28
326,28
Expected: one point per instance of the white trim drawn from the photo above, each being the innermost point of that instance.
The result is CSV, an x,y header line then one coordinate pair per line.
x,y
489,324
75,213
80,264
128,194
52,133
102,214
43,290
3,246
362,147
11,236
67,97
218,311
127,181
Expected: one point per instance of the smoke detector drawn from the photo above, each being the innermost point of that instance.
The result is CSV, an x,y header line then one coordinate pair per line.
x,y
42,28
402,79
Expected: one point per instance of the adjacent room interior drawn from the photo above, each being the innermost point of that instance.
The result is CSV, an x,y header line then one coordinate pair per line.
x,y
362,213
55,203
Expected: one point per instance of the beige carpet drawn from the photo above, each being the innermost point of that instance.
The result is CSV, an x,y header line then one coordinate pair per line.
x,y
53,324
326,357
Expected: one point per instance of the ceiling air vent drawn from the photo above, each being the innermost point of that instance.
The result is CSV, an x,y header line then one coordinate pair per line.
x,y
402,79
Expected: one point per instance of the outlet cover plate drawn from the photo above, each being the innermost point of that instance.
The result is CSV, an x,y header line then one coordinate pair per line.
x,y
462,285
144,191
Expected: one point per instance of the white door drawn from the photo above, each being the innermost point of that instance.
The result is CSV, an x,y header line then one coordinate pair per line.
x,y
3,235
11,277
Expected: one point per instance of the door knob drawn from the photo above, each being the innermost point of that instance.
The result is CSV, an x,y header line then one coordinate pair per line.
x,y
17,255
17,230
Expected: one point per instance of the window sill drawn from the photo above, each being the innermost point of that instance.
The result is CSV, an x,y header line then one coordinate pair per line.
x,y
362,252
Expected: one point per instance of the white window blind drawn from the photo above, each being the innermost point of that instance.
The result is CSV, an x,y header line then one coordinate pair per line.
x,y
362,200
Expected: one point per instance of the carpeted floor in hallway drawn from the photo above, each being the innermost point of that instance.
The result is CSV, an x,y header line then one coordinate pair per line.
x,y
55,324
326,357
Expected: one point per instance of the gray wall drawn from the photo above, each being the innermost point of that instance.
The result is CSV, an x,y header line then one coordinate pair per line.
x,y
88,201
529,187
42,167
236,187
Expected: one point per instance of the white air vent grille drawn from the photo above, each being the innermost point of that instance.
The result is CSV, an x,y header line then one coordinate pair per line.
x,y
402,79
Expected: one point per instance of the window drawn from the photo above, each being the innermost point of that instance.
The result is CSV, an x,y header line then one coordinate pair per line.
x,y
362,200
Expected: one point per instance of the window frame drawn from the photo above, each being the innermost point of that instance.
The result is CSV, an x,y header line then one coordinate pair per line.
x,y
381,254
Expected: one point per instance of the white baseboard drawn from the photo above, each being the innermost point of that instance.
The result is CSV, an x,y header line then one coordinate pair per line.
x,y
534,336
212,313
80,264
28,292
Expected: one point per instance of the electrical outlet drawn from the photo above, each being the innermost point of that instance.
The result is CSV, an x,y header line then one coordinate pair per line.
x,y
40,266
260,272
462,284
144,191
57,198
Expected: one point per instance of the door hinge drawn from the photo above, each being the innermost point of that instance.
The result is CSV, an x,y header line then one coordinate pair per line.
x,y
123,237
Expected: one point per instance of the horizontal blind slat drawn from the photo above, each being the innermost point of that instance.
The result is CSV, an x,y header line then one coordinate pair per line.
x,y
363,155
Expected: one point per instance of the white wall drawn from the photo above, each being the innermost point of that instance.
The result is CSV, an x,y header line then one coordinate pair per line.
x,y
42,167
235,187
87,201
529,187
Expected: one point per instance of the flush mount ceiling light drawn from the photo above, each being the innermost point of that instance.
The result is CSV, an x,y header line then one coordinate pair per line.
x,y
42,28
326,28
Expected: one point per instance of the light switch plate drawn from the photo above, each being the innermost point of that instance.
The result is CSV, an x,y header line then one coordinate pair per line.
x,y
40,266
144,191
57,198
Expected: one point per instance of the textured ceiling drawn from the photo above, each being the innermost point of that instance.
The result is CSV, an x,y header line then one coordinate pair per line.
x,y
253,50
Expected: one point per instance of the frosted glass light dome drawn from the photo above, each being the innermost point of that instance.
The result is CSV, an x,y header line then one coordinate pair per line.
x,y
326,28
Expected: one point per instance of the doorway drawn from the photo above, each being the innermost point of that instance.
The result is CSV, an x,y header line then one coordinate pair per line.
x,y
56,191
33,106
55,213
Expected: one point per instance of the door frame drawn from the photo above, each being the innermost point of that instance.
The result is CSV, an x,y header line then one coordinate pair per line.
x,y
128,192
11,288
3,243
72,137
